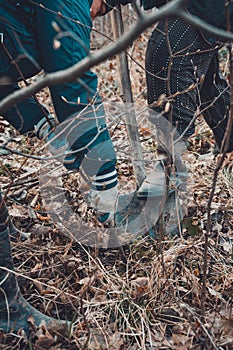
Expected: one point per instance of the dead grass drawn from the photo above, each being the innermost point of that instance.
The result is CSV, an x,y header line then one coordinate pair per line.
x,y
146,295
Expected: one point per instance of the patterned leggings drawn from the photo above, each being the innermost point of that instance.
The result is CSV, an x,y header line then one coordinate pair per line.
x,y
183,67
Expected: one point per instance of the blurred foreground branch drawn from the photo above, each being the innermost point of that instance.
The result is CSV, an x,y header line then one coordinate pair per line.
x,y
173,8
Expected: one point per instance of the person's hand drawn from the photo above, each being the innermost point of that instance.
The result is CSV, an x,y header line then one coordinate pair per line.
x,y
98,8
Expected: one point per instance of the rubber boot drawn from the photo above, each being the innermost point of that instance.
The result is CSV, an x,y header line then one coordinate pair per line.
x,y
14,309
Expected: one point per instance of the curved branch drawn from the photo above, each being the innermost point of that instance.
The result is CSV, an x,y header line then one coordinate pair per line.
x,y
174,8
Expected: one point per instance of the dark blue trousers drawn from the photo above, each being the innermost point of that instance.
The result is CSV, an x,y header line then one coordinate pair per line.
x,y
49,36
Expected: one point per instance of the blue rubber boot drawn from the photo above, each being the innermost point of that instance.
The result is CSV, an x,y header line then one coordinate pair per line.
x,y
14,309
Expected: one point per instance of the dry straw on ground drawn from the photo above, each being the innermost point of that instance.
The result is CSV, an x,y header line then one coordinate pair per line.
x,y
147,295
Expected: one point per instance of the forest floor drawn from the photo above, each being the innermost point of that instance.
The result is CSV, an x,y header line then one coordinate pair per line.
x,y
160,291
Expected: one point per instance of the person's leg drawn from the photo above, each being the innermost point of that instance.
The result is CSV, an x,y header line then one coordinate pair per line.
x,y
28,37
14,309
18,61
64,41
78,105
177,57
215,97
70,99
189,81
176,60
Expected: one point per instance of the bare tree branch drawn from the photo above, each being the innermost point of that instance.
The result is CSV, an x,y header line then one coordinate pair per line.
x,y
174,8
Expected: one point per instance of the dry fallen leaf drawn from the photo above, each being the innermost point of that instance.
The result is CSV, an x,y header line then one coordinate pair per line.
x,y
141,285
44,341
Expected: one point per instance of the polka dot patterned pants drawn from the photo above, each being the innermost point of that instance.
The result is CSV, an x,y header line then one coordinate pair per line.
x,y
184,79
